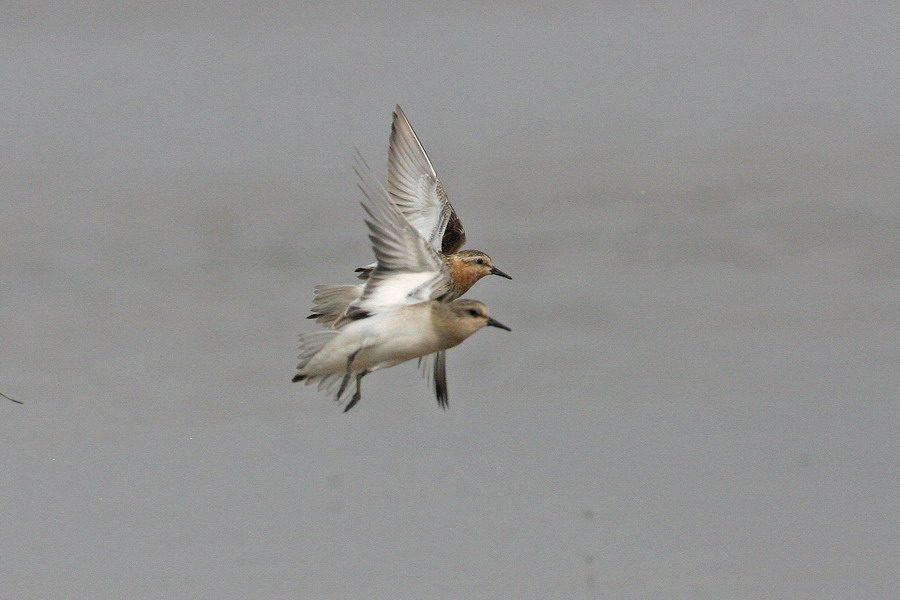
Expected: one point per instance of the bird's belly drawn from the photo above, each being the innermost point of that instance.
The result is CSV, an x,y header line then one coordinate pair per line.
x,y
396,349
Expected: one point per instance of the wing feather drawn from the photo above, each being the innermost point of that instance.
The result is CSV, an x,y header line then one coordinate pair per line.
x,y
417,191
408,270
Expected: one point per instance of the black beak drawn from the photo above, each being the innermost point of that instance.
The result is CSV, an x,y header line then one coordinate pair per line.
x,y
496,323
496,271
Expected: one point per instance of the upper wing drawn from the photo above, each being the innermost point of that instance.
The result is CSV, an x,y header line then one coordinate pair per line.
x,y
408,270
415,188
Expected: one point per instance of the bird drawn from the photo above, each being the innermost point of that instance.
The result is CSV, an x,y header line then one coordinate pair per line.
x,y
416,190
8,398
401,313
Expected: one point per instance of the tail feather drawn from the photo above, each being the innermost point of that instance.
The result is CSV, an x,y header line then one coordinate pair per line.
x,y
310,345
364,272
329,383
330,302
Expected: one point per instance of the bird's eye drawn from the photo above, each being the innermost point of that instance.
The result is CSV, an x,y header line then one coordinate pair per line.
x,y
473,312
480,261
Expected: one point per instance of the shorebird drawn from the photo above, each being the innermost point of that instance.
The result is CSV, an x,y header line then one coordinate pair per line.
x,y
402,313
416,190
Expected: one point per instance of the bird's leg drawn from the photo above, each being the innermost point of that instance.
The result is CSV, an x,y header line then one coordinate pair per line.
x,y
346,378
358,393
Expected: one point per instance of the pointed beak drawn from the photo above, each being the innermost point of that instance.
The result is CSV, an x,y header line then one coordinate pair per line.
x,y
496,271
496,323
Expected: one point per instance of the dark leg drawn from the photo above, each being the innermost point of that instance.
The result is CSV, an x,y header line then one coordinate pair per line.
x,y
346,378
358,393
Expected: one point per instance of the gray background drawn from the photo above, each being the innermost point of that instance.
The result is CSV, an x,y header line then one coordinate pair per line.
x,y
699,207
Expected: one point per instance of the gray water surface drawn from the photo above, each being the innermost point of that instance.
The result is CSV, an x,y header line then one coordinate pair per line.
x,y
699,207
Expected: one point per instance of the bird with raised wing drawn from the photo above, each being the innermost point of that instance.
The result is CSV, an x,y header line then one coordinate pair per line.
x,y
416,190
401,314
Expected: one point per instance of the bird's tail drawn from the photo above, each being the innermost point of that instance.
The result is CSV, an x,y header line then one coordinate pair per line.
x,y
333,384
331,301
310,345
364,272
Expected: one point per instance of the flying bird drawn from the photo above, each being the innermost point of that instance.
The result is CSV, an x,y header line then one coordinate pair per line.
x,y
416,190
403,312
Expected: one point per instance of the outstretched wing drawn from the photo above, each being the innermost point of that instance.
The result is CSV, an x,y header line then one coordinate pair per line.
x,y
415,188
408,270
